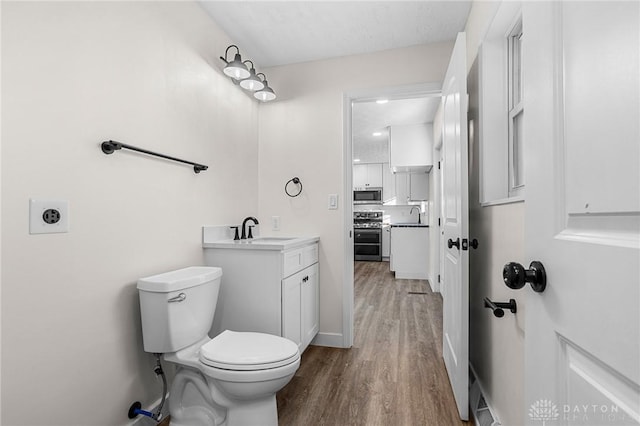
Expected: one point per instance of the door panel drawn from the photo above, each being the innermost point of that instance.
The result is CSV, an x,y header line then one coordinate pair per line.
x,y
455,285
291,297
581,62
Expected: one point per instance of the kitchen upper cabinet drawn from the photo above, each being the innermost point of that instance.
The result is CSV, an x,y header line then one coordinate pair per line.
x,y
367,176
411,187
410,148
418,186
388,183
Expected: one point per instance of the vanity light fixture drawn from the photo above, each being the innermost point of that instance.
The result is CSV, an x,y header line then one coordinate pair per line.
x,y
247,77
235,69
252,83
266,93
377,133
382,101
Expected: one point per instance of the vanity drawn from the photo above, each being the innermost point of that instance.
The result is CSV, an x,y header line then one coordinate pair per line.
x,y
269,285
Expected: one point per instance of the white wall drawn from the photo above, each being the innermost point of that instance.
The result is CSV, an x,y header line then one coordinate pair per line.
x,y
301,134
496,344
73,75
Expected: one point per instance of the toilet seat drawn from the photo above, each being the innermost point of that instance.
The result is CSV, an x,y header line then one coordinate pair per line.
x,y
247,351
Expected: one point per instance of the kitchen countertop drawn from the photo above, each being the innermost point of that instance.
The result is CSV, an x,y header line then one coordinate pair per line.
x,y
409,225
262,243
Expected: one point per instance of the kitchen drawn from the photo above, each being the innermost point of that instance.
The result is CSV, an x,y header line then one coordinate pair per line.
x,y
393,184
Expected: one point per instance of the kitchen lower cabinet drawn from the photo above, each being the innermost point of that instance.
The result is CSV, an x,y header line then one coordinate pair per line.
x,y
410,252
386,242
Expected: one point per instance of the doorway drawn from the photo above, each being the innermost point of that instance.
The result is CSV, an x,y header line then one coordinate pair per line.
x,y
351,136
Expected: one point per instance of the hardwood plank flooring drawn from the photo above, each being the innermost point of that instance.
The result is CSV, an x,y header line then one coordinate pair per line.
x,y
393,375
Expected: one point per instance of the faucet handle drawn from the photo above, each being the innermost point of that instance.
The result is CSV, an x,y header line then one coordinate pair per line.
x,y
250,234
236,237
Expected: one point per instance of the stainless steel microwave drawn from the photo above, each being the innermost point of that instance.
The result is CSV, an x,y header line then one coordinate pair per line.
x,y
367,196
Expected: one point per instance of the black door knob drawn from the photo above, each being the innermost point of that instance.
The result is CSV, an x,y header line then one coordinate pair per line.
x,y
515,276
452,243
474,244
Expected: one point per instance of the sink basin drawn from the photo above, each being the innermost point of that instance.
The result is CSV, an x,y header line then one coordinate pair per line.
x,y
267,240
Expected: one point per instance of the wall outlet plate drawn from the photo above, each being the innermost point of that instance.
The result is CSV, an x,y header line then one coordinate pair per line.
x,y
48,216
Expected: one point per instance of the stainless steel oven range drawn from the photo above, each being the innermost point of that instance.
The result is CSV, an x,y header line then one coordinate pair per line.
x,y
367,227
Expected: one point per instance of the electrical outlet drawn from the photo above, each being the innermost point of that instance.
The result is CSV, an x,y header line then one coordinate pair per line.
x,y
48,216
275,223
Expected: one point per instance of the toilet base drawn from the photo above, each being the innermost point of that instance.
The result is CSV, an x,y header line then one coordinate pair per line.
x,y
191,403
263,412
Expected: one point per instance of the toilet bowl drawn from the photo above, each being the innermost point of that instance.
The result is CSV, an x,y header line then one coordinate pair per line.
x,y
230,380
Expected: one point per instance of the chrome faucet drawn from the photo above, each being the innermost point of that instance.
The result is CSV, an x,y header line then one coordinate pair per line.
x,y
244,230
411,211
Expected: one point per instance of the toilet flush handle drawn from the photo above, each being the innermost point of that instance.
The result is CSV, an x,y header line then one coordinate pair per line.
x,y
178,298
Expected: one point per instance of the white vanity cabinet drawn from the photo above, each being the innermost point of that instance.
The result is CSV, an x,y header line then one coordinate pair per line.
x,y
300,315
268,288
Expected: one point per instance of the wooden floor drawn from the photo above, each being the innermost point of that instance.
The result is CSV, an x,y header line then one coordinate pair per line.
x,y
393,375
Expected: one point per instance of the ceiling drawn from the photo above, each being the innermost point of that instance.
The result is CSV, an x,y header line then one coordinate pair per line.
x,y
369,117
274,33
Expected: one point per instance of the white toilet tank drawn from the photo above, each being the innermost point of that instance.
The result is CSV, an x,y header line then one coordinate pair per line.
x,y
177,307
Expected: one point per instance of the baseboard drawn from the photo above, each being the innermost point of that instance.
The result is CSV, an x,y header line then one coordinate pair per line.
x,y
483,414
146,421
332,340
411,276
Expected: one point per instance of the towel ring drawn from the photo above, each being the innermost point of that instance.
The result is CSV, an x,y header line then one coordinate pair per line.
x,y
295,181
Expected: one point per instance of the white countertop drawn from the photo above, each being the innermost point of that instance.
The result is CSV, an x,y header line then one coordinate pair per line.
x,y
262,243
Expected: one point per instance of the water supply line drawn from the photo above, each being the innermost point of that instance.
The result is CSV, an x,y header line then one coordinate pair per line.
x,y
136,407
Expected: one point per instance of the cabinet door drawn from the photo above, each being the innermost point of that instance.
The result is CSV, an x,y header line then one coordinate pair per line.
x,y
402,188
374,175
291,327
360,172
418,187
388,183
386,241
310,304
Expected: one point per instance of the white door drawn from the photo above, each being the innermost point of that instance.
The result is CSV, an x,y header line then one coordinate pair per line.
x,y
582,162
455,286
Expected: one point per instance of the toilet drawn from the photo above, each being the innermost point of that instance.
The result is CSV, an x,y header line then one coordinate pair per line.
x,y
229,380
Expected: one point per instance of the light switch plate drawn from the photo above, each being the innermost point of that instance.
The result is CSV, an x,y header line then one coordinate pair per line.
x,y
48,216
333,201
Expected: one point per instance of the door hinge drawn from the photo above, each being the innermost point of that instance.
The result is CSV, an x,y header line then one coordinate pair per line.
x,y
438,277
438,165
439,222
465,244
